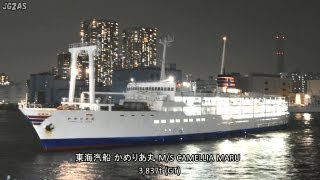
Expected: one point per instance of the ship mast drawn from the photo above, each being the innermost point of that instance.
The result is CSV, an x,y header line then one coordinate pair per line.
x,y
223,55
75,49
165,41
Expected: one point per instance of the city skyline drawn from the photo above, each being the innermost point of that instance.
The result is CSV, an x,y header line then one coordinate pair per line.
x,y
33,37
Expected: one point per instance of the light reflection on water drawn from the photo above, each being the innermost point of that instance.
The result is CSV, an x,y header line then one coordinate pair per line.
x,y
80,171
291,153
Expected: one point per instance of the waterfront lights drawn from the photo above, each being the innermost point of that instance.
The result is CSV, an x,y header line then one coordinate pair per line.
x,y
170,78
307,96
307,99
224,38
186,84
131,80
307,116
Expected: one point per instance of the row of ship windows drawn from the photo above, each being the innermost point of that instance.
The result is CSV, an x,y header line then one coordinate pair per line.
x,y
80,118
44,114
151,88
163,121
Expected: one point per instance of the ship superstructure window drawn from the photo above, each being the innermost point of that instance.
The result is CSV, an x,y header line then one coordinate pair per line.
x,y
156,121
177,120
163,121
185,120
171,120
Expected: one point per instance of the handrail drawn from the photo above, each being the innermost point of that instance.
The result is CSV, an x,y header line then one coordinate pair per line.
x,y
83,44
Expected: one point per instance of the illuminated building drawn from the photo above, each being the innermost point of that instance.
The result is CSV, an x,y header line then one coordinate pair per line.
x,y
138,47
44,88
12,93
280,52
83,68
4,79
63,65
106,33
299,80
265,83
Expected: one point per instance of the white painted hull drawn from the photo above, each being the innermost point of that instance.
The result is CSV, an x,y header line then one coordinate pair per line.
x,y
80,128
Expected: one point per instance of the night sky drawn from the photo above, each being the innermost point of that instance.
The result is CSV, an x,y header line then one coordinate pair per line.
x,y
31,39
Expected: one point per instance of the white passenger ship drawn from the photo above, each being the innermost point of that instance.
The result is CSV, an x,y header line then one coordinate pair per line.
x,y
151,112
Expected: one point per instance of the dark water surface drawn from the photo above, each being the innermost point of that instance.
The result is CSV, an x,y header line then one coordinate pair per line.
x,y
293,153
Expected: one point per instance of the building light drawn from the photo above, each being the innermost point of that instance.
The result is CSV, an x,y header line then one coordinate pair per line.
x,y
171,79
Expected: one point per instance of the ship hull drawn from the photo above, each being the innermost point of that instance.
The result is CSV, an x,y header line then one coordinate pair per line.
x,y
85,143
77,129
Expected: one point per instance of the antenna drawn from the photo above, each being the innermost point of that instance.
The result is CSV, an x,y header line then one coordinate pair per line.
x,y
166,42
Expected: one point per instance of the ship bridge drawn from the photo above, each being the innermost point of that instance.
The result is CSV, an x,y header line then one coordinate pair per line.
x,y
165,87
